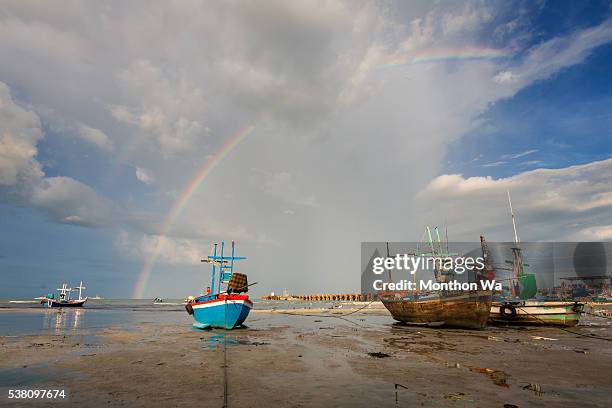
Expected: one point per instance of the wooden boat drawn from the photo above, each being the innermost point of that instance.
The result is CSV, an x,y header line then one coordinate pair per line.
x,y
64,298
464,309
222,309
533,312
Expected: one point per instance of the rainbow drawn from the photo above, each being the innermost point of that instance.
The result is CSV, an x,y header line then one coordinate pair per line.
x,y
181,202
438,55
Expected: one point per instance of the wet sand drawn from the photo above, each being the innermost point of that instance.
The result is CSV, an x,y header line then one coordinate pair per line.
x,y
310,361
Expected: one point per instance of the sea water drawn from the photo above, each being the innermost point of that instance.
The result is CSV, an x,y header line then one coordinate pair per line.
x,y
17,319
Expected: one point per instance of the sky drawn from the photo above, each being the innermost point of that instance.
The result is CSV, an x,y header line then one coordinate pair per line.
x,y
134,135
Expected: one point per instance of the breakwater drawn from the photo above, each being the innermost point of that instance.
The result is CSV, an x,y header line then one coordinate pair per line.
x,y
347,297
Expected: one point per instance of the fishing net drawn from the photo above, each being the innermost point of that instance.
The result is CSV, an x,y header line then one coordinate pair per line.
x,y
238,283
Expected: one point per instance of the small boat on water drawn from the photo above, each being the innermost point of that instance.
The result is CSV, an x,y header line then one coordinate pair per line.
x,y
458,308
222,309
64,297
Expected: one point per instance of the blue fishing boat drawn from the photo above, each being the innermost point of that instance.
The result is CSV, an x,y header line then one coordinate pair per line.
x,y
219,308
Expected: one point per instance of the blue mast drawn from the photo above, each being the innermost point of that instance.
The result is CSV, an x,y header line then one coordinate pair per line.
x,y
225,269
212,285
221,267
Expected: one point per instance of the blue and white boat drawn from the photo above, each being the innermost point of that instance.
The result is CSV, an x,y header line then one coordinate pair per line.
x,y
225,309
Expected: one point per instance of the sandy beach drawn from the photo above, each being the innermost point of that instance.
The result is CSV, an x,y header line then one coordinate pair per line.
x,y
301,360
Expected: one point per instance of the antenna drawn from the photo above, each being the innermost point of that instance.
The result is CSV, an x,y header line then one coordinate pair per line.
x,y
446,233
516,238
389,270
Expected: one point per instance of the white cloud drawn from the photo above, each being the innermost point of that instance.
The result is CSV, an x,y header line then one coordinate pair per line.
x,y
166,249
494,164
63,199
143,175
599,233
19,133
95,137
282,186
518,155
505,77
546,59
551,204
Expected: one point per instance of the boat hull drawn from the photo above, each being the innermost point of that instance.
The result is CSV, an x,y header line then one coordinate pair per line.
x,y
540,313
53,303
467,310
224,312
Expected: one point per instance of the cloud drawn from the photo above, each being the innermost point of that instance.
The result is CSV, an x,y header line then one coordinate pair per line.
x,y
548,58
505,77
518,155
281,185
551,204
23,181
599,233
19,133
166,249
144,176
494,164
68,201
95,137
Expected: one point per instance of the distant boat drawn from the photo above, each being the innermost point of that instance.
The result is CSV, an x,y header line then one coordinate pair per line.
x,y
64,298
465,309
227,309
162,302
97,297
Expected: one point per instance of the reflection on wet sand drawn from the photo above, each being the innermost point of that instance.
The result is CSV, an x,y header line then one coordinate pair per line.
x,y
63,321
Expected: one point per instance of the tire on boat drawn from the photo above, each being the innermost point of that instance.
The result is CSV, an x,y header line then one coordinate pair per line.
x,y
507,312
189,308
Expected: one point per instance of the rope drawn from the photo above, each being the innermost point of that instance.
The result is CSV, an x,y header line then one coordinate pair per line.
x,y
598,315
341,317
567,330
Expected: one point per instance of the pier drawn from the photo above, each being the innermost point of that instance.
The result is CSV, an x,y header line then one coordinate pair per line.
x,y
347,297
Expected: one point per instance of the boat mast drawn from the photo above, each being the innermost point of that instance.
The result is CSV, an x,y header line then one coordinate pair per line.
x,y
80,288
63,290
212,283
517,257
389,270
516,238
222,261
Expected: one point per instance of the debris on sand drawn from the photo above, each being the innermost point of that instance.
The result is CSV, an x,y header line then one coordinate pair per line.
x,y
378,354
498,377
536,388
455,396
